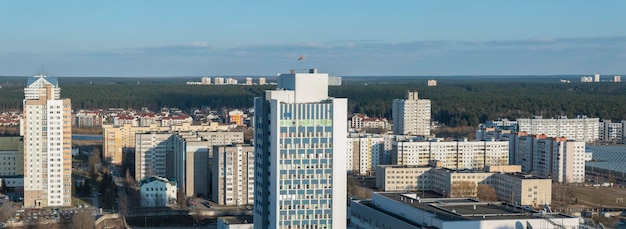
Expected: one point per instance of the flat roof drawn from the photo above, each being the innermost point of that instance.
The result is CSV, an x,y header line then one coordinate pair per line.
x,y
242,219
453,209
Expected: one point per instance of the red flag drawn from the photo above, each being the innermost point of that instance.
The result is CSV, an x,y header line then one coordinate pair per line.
x,y
301,58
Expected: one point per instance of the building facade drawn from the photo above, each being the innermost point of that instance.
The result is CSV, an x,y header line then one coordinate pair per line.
x,y
580,129
157,192
151,150
453,154
47,134
510,186
411,116
120,139
233,175
11,156
300,144
560,159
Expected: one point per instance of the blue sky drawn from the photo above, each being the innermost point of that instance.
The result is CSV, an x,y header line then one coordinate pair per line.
x,y
196,38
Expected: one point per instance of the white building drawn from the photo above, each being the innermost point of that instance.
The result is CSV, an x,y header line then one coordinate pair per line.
x,y
617,79
233,175
235,222
610,131
231,81
364,153
36,83
586,79
543,156
300,146
411,116
46,127
219,81
157,192
248,81
151,150
581,128
262,81
410,211
334,80
192,160
453,154
206,80
596,77
432,83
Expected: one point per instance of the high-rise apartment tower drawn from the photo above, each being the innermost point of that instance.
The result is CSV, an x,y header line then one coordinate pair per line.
x,y
46,127
411,116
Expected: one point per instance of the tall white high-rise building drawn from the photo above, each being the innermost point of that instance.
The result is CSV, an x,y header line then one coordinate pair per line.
x,y
411,116
46,127
596,77
300,146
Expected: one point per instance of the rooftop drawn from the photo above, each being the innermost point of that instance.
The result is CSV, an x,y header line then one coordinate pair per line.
x,y
453,209
242,219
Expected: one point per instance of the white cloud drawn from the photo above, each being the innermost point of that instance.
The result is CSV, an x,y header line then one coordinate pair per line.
x,y
200,44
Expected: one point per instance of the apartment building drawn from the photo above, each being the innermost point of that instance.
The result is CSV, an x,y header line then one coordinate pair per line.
x,y
11,156
411,116
233,174
610,131
192,159
120,139
581,128
453,154
561,159
151,150
363,154
47,130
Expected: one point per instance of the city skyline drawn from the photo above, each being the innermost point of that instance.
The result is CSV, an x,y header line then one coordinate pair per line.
x,y
197,38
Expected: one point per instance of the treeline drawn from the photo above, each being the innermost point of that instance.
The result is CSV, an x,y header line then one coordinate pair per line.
x,y
453,103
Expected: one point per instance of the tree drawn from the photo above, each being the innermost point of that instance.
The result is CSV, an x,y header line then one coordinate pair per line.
x,y
487,193
94,163
83,220
463,189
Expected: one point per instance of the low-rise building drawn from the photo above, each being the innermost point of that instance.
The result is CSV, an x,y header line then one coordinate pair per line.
x,y
11,156
157,192
408,210
235,222
512,186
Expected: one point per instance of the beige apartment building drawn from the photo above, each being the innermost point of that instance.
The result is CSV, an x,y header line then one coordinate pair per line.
x,y
513,187
120,139
233,175
47,131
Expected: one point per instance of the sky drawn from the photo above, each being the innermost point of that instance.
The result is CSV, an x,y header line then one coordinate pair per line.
x,y
347,38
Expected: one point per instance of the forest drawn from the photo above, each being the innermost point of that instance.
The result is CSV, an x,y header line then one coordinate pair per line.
x,y
454,103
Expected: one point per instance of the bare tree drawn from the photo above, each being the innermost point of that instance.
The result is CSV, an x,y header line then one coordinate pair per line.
x,y
94,163
487,193
463,189
83,220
